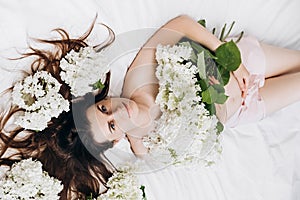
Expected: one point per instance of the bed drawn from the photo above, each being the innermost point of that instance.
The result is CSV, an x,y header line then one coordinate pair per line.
x,y
260,161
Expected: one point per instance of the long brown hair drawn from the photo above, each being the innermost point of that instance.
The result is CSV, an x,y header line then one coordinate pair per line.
x,y
65,148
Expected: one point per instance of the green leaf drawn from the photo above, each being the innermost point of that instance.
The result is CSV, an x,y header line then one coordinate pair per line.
x,y
220,127
203,84
201,65
221,99
211,108
228,56
211,67
193,57
198,48
98,85
143,192
210,95
202,22
219,88
185,42
225,74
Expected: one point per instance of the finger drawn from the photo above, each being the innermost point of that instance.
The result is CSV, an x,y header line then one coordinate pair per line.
x,y
242,88
246,84
212,80
241,84
244,94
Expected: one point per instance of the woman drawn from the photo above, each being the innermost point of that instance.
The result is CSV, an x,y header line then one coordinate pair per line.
x,y
66,147
250,98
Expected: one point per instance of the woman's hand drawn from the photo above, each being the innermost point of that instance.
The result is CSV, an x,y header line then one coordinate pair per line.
x,y
242,76
137,146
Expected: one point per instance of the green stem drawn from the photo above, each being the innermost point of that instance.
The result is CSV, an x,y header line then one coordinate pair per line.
x,y
222,33
240,37
232,24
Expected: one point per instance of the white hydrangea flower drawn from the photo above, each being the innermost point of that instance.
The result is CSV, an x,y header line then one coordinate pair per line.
x,y
26,180
124,185
39,96
185,129
172,54
81,70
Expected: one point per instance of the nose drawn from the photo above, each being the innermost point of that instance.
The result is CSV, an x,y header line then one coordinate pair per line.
x,y
121,118
118,111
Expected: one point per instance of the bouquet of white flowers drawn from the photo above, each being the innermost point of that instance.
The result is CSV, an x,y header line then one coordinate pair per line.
x,y
124,185
185,132
188,130
26,181
39,96
84,70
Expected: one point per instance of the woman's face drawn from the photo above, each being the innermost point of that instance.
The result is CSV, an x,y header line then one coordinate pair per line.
x,y
111,118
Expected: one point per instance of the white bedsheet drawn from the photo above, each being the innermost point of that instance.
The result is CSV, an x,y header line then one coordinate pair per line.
x,y
261,161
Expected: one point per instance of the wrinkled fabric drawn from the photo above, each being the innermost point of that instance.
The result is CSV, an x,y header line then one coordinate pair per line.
x,y
253,106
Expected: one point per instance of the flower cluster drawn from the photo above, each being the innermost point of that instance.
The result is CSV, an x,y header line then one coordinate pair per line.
x,y
123,185
39,96
84,70
186,132
26,180
172,54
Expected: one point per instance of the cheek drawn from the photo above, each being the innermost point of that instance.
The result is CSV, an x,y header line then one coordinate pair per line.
x,y
124,123
117,136
99,137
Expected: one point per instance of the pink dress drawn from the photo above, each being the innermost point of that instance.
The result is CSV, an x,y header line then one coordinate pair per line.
x,y
253,108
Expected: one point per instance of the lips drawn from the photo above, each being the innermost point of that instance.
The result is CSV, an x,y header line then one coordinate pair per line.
x,y
127,109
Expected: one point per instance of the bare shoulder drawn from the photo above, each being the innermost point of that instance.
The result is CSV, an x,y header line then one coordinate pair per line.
x,y
140,79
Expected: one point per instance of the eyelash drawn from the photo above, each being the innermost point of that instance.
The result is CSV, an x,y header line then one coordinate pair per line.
x,y
112,125
102,108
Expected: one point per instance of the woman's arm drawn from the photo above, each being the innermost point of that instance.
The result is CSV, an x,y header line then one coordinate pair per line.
x,y
171,33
